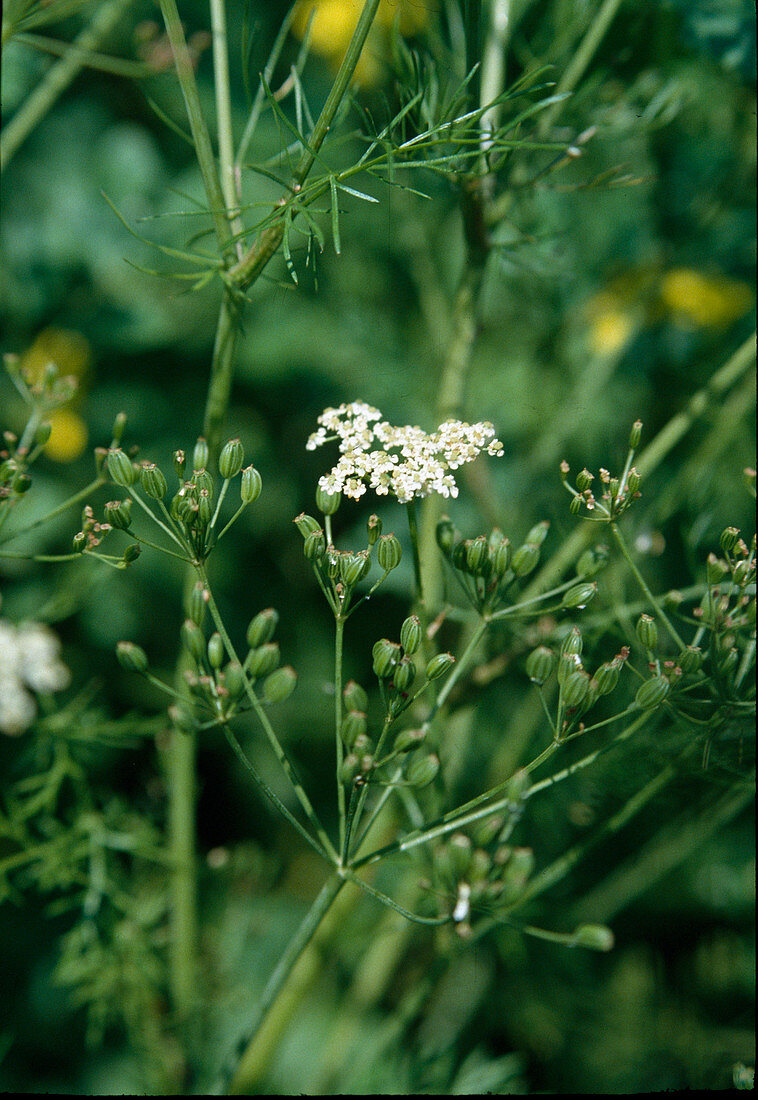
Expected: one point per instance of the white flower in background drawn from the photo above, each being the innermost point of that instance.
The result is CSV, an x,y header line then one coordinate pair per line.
x,y
29,662
409,463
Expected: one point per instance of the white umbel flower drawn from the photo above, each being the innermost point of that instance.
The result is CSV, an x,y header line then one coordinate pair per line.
x,y
29,662
409,463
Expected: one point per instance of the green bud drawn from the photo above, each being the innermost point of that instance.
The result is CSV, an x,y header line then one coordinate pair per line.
x,y
153,481
79,542
131,553
180,462
423,771
43,433
119,514
120,468
652,692
633,480
193,639
374,529
203,480
480,866
407,740
352,567
198,602
234,679
262,628
279,685
216,652
540,664
231,458
131,657
182,718
263,659
306,524
575,505
353,725
410,634
200,455
647,632
204,508
388,552
715,569
476,554
516,872
363,745
635,435
354,697
119,424
484,832
728,663
350,768
459,556
328,503
500,557
525,559
593,561
386,655
314,546
730,536
22,483
439,665
572,643
250,485
596,937
575,689
742,572
460,850
538,533
607,676
690,659
584,480
446,535
614,485
579,595
404,675
568,664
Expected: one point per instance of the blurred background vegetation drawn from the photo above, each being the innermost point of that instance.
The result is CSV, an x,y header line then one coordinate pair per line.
x,y
619,283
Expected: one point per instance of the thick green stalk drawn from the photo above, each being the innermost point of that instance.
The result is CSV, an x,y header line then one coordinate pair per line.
x,y
224,118
222,370
39,102
180,766
339,635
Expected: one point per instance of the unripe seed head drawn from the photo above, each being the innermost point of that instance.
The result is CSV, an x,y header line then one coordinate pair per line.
x,y
262,627
388,552
279,685
250,485
231,459
131,657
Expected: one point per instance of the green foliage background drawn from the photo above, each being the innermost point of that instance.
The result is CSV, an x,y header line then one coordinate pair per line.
x,y
667,183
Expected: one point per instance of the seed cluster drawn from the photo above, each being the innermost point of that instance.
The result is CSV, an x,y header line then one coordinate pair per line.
x,y
409,463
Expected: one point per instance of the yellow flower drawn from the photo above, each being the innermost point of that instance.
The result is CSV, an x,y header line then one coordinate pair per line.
x,y
703,301
334,22
68,437
611,326
70,351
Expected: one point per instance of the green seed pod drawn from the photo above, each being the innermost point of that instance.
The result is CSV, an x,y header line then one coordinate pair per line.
x,y
652,692
439,665
728,663
119,514
633,480
500,557
517,786
647,632
476,554
153,481
540,664
614,485
363,745
250,485
407,740
117,431
423,771
328,503
198,602
575,689
715,569
635,435
131,553
460,848
131,657
568,664
234,679
180,463
79,542
572,643
373,528
484,832
410,634
742,573
525,559
216,652
606,677
262,628
314,546
584,480
263,659
182,719
353,725
596,937
231,459
120,468
193,640
350,768
575,505
204,509
22,483
579,595
446,535
279,685
730,536
354,697
459,556
200,455
388,552
404,675
203,480
386,655
516,873
538,533
43,433
690,659
480,866
306,524
351,568
593,561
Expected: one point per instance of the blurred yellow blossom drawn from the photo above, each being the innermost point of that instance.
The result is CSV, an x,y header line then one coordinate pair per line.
x,y
69,350
334,22
703,301
68,437
611,325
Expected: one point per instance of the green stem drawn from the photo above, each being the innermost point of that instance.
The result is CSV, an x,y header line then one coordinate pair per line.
x,y
224,119
58,78
222,370
621,543
180,764
338,643
75,499
412,514
234,1075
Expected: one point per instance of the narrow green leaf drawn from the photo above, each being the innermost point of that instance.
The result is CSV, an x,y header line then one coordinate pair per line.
x,y
335,216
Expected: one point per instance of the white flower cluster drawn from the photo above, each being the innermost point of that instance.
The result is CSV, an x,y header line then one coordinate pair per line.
x,y
29,661
409,462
